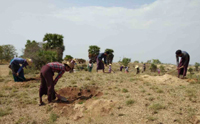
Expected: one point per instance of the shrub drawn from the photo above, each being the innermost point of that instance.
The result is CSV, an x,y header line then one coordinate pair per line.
x,y
190,70
162,68
125,61
153,68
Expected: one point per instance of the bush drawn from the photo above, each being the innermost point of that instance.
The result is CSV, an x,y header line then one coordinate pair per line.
x,y
190,70
197,66
153,68
126,61
162,68
43,57
156,61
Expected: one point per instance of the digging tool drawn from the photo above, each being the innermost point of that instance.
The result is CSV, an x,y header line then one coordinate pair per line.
x,y
171,71
174,70
62,98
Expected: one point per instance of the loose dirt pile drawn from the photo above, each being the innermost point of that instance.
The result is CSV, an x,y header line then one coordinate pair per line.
x,y
82,102
165,79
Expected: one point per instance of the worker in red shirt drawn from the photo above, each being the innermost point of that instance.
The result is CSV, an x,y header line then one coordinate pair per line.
x,y
47,82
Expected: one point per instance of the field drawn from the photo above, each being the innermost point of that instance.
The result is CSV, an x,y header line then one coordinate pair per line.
x,y
103,98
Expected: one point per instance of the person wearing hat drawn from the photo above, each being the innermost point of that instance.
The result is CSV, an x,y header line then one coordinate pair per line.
x,y
47,82
138,69
17,70
100,64
183,65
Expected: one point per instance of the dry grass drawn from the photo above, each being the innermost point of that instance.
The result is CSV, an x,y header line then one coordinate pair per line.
x,y
144,98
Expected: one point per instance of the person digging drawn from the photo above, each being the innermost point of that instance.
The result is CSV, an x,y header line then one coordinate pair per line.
x,y
17,70
137,69
100,63
183,65
47,82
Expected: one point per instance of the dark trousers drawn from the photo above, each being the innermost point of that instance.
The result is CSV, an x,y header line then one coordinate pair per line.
x,y
100,64
47,84
21,77
183,71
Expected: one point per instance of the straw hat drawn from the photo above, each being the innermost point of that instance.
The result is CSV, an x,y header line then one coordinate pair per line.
x,y
71,65
136,66
29,61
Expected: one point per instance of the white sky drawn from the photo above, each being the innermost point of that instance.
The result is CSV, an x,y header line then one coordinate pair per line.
x,y
146,31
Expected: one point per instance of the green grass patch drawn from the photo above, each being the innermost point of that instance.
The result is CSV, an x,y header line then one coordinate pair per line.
x,y
53,117
151,118
124,90
4,112
156,107
130,102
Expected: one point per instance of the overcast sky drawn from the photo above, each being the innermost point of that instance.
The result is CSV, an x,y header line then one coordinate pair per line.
x,y
137,29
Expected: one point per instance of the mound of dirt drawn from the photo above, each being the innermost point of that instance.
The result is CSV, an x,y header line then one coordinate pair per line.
x,y
80,103
165,79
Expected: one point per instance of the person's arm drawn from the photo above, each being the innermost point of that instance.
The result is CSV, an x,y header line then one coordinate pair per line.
x,y
58,76
23,65
177,60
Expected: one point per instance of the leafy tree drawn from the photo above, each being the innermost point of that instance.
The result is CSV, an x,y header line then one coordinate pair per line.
x,y
54,43
93,52
136,61
153,67
110,56
156,61
126,61
68,58
43,57
31,49
9,52
197,66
